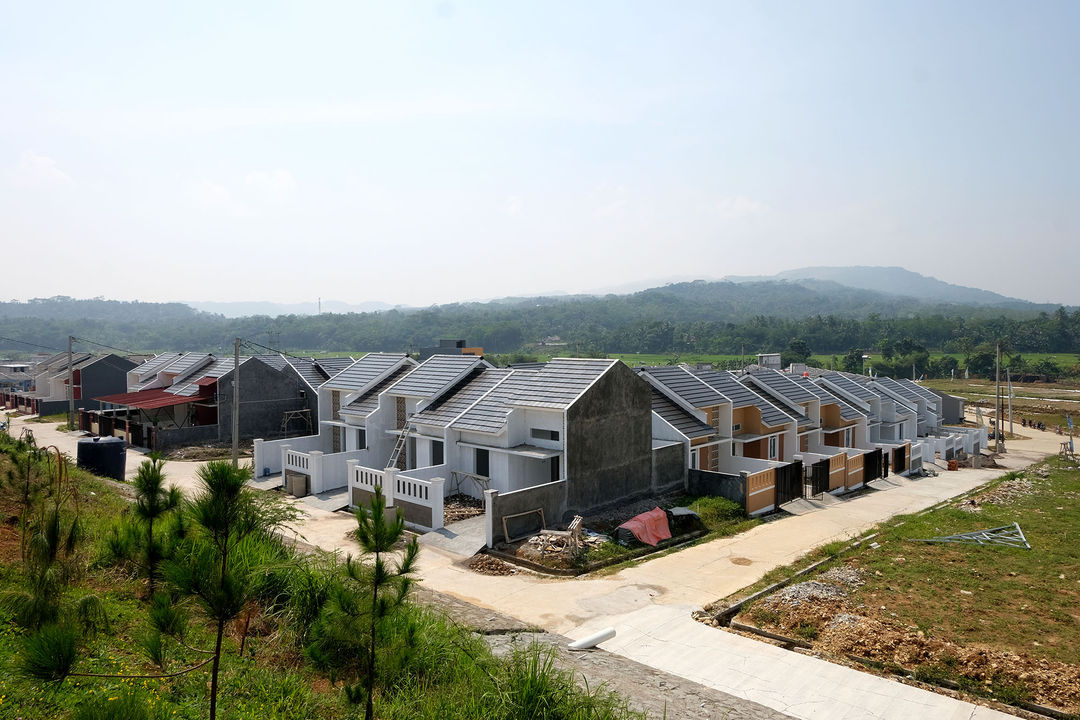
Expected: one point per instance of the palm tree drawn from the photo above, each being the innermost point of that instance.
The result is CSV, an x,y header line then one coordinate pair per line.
x,y
152,502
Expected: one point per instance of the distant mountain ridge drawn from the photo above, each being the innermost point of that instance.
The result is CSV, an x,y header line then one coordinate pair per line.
x,y
247,308
893,280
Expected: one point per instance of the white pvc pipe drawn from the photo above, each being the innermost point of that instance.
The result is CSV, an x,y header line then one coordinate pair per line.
x,y
593,640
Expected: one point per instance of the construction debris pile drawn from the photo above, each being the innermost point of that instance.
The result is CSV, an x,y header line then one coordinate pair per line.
x,y
560,548
487,565
1003,494
461,507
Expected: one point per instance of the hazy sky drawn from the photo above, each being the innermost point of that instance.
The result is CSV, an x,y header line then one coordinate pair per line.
x,y
422,152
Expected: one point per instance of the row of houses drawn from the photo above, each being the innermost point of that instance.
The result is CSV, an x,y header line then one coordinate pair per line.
x,y
555,439
177,399
575,435
41,388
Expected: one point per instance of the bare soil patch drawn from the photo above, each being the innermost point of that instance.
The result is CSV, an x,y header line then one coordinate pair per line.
x,y
998,621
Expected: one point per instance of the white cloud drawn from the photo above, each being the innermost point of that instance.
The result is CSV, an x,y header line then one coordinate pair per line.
x,y
738,207
38,171
514,204
274,185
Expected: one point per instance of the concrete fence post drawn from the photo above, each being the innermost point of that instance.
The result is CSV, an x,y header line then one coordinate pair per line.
x,y
489,516
388,485
257,458
284,462
350,478
744,489
315,471
437,502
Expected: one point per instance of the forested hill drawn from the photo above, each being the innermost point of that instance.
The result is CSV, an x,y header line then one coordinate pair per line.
x,y
712,317
64,308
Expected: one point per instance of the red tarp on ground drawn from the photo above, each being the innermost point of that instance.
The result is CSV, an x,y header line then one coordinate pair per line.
x,y
649,527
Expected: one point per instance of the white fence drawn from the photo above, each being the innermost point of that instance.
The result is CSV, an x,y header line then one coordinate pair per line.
x,y
327,472
399,488
267,455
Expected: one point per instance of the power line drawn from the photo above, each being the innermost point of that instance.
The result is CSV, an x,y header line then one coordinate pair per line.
x,y
252,345
23,342
110,347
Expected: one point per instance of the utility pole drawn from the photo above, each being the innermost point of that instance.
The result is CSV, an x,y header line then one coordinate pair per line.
x,y
236,404
1008,377
71,388
999,446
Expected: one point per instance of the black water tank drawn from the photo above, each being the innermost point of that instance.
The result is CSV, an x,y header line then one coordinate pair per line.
x,y
103,456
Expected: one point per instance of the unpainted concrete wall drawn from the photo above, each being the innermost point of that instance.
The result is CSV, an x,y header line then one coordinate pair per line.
x,y
551,497
609,441
732,487
669,467
265,395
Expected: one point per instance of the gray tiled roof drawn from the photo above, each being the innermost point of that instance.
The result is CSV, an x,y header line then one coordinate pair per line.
x,y
188,363
490,412
369,401
783,385
561,381
554,386
847,412
850,386
151,366
742,396
365,371
434,375
687,386
920,391
274,360
333,365
217,369
460,397
679,418
801,419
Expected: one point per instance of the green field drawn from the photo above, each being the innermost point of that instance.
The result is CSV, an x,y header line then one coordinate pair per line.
x,y
1000,621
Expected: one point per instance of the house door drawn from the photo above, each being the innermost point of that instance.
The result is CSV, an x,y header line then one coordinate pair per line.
x,y
482,459
555,469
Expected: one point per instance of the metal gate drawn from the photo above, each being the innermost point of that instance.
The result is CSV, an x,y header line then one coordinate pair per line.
x,y
872,465
819,477
789,483
899,459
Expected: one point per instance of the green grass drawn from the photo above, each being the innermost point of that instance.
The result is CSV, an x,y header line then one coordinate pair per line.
x,y
447,671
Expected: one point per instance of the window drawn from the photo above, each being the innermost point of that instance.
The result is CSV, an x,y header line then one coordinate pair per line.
x,y
773,446
554,477
482,464
693,460
847,437
361,439
437,452
538,434
736,427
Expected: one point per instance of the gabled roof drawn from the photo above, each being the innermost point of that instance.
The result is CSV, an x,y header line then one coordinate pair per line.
x,y
489,414
742,396
194,385
851,387
847,412
360,374
782,385
461,397
560,382
919,390
555,386
678,418
687,386
898,391
333,365
369,401
434,375
150,367
55,362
